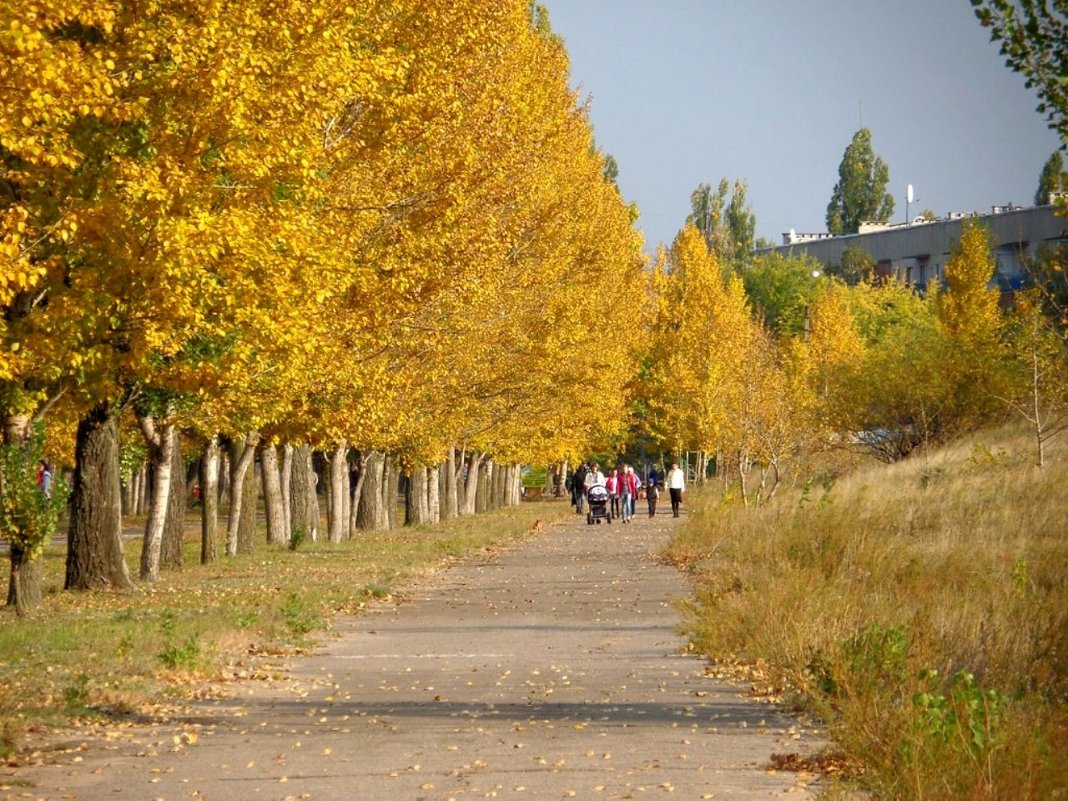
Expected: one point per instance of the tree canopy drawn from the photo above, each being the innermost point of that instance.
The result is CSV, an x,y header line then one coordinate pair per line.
x,y
860,194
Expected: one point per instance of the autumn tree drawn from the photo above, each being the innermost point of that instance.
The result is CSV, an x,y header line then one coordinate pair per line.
x,y
1054,179
860,194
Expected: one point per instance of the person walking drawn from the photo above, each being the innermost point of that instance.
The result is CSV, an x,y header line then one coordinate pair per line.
x,y
676,484
578,489
611,483
628,488
652,494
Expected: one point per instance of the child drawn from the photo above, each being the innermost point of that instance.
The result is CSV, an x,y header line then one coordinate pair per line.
x,y
651,495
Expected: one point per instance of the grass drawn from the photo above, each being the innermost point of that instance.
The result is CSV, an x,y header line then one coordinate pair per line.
x,y
920,608
102,656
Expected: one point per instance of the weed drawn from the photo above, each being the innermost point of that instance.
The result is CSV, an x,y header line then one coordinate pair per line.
x,y
76,695
176,656
297,537
298,617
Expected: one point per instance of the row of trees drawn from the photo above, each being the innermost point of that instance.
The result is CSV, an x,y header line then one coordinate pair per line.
x,y
358,229
758,366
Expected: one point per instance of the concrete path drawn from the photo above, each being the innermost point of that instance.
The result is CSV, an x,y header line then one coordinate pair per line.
x,y
551,670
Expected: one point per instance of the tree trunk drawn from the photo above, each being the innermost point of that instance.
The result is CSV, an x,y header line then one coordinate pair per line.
x,y
209,501
26,585
482,488
360,470
339,490
287,487
141,495
305,504
243,453
160,443
417,512
246,526
174,527
371,514
433,494
450,504
95,555
390,474
272,495
471,482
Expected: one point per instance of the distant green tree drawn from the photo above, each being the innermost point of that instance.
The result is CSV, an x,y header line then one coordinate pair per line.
x,y
611,169
1052,179
1034,40
727,227
856,265
780,288
860,194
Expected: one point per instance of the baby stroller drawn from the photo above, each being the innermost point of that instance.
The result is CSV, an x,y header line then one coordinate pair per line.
x,y
597,496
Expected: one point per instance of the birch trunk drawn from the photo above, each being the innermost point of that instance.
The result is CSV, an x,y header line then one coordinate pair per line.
x,y
209,502
273,498
339,490
287,488
433,494
471,481
95,557
160,443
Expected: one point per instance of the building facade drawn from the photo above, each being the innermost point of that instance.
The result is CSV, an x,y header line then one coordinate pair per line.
x,y
916,252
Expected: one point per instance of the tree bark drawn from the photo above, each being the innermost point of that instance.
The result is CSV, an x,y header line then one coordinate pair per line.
x,y
416,511
433,493
246,526
174,527
450,505
272,495
95,555
339,490
287,487
26,584
209,500
305,504
390,473
471,483
356,489
371,514
243,453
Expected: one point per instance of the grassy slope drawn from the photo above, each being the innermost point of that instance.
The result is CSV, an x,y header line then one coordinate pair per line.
x,y
100,656
921,608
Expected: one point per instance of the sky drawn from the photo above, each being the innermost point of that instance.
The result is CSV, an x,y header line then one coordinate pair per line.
x,y
684,92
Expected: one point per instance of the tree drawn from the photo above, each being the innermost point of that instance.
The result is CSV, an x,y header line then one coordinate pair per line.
x,y
728,228
781,289
1034,40
1040,357
1053,179
28,516
860,194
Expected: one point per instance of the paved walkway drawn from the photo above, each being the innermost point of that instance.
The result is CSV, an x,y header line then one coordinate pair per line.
x,y
550,671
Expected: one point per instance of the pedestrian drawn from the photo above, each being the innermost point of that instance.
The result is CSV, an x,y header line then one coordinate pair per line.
x,y
637,490
628,488
46,480
676,484
578,489
652,494
611,483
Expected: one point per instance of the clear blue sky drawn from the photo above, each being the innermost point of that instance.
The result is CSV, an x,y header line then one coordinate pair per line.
x,y
685,92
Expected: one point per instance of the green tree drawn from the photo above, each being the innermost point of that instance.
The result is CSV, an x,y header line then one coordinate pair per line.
x,y
1034,40
727,227
1052,179
860,194
781,288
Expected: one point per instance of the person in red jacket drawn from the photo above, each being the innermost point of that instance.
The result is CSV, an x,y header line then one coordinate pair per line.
x,y
628,491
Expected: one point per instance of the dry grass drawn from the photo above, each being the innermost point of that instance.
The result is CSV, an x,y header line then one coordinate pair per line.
x,y
103,657
921,608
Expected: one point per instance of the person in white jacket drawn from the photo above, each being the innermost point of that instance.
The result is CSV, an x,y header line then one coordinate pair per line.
x,y
676,483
